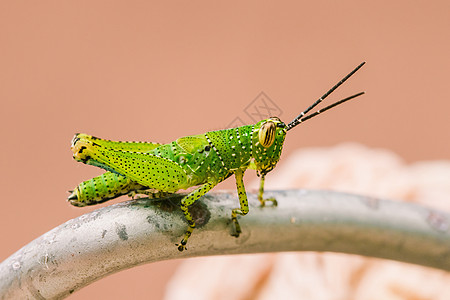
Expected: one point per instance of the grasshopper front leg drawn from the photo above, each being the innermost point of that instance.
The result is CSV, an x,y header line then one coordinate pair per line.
x,y
242,200
185,203
261,192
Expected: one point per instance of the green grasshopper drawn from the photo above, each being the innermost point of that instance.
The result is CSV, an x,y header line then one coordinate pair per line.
x,y
201,160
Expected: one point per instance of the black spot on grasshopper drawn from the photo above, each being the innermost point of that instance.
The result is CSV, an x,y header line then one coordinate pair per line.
x,y
81,149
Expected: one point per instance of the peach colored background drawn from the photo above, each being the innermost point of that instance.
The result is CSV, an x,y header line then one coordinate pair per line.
x,y
142,70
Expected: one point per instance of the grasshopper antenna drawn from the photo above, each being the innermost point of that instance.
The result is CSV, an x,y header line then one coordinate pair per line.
x,y
299,119
328,107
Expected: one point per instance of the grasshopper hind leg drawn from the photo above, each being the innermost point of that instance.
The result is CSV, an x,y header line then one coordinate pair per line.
x,y
102,188
185,203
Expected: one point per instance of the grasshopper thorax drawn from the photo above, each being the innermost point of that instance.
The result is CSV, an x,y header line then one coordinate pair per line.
x,y
267,142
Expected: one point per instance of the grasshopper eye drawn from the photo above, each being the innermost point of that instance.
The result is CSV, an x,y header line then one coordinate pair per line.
x,y
267,134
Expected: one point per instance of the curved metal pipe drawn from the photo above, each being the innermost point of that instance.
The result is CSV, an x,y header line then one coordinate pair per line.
x,y
136,232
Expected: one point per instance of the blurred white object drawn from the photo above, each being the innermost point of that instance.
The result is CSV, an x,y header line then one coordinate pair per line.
x,y
350,168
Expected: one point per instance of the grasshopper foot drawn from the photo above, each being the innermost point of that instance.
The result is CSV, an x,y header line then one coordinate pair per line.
x,y
237,228
264,201
181,246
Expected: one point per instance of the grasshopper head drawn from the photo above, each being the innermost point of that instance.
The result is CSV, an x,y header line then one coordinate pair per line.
x,y
267,142
268,135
